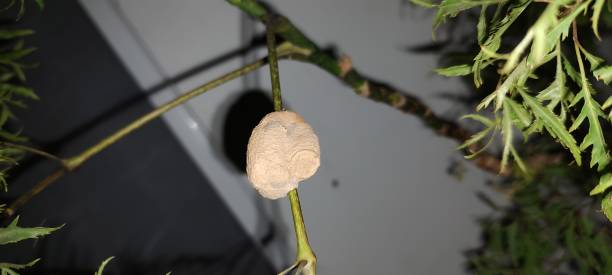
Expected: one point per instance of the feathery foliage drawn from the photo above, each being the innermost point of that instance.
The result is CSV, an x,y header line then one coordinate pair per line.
x,y
13,233
573,118
103,266
548,83
551,228
13,93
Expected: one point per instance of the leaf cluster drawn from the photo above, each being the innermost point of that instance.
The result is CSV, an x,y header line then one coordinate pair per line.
x,y
550,228
569,109
13,92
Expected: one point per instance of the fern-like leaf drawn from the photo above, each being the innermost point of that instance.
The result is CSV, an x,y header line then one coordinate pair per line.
x,y
604,74
9,268
103,265
13,233
597,7
591,110
553,124
605,182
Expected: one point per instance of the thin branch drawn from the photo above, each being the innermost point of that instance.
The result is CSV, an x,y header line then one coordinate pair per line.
x,y
342,68
274,74
305,256
77,161
73,163
39,187
34,151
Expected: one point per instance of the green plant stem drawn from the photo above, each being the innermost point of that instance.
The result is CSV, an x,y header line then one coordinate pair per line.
x,y
579,58
75,162
274,74
304,251
305,255
34,151
39,187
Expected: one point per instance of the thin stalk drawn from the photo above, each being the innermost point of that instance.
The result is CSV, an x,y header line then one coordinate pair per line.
x,y
39,187
76,161
274,74
579,58
72,163
306,260
34,151
304,251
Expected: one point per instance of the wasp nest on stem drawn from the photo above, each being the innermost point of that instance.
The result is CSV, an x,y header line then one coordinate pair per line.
x,y
283,150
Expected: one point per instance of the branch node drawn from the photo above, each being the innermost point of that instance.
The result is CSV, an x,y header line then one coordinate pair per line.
x,y
346,65
364,89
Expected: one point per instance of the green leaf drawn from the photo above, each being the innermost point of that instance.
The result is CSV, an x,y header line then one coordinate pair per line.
x,y
13,137
13,233
597,7
481,27
594,137
516,78
5,77
450,8
424,3
518,52
518,113
593,59
457,70
11,34
519,161
571,71
605,181
484,120
507,134
474,139
604,74
561,30
607,105
556,91
9,268
21,9
495,34
3,182
18,90
5,114
41,4
512,113
103,265
18,70
606,205
553,124
8,5
539,34
15,54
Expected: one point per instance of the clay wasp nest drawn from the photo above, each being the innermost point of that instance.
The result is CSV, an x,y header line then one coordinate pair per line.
x,y
283,150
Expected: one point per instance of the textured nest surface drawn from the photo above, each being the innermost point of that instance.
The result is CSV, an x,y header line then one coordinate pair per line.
x,y
283,150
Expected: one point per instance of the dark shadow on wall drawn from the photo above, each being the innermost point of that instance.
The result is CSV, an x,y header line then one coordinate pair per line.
x,y
242,116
